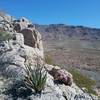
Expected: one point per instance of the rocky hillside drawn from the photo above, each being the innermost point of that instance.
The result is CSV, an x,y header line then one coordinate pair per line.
x,y
23,73
62,31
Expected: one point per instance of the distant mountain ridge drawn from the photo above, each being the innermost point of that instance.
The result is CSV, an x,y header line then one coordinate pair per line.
x,y
62,31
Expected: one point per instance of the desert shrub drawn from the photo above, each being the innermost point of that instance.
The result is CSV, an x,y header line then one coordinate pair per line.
x,y
4,36
48,60
35,79
83,81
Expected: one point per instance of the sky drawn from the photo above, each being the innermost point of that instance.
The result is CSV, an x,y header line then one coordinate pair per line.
x,y
70,12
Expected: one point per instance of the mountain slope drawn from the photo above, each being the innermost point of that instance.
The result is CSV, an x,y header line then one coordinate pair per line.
x,y
62,31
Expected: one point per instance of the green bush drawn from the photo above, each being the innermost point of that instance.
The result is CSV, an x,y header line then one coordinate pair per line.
x,y
48,60
35,79
4,36
83,81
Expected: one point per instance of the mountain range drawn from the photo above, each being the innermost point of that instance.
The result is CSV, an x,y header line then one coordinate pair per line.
x,y
62,32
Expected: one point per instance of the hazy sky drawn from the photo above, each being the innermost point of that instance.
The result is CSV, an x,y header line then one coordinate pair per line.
x,y
70,12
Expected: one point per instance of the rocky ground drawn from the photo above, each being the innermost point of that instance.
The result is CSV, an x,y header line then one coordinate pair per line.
x,y
25,44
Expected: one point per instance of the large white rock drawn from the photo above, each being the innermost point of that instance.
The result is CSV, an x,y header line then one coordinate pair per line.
x,y
14,54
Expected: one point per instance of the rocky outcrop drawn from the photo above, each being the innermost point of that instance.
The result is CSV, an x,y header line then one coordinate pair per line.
x,y
26,45
21,24
31,36
13,53
69,92
61,76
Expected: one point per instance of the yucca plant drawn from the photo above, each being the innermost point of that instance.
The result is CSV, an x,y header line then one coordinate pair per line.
x,y
35,79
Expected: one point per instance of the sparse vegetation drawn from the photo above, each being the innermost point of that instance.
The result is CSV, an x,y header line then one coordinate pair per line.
x,y
48,60
35,79
4,36
83,81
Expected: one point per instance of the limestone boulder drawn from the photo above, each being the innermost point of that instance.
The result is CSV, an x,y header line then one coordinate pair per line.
x,y
14,54
61,76
32,38
21,24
